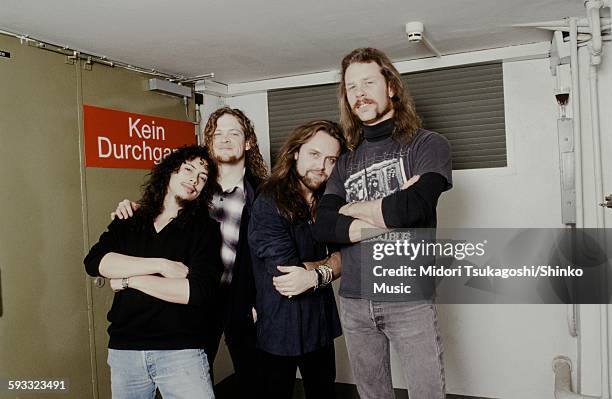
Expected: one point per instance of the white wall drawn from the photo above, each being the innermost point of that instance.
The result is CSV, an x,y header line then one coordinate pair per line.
x,y
506,351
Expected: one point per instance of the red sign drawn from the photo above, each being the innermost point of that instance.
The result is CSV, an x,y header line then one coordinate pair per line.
x,y
116,139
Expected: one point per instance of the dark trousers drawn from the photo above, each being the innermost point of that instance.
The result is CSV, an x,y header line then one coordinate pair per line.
x,y
318,369
241,346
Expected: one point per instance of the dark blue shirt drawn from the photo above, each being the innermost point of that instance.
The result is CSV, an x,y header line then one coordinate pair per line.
x,y
288,326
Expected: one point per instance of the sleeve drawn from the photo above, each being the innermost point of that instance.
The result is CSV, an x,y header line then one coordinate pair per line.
x,y
270,237
110,241
331,226
432,153
205,266
416,205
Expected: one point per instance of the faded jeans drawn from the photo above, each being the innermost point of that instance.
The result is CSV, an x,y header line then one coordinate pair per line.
x,y
179,374
369,327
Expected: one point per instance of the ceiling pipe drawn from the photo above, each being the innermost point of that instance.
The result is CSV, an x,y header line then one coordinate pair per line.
x,y
580,22
99,59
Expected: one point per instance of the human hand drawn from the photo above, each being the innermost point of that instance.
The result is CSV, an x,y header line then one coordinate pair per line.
x,y
411,181
295,280
171,269
345,209
125,210
116,284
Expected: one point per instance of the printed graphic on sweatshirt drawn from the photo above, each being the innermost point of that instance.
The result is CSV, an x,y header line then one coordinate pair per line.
x,y
376,181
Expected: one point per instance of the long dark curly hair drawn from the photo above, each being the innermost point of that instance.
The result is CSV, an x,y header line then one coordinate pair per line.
x,y
407,122
156,187
254,161
284,182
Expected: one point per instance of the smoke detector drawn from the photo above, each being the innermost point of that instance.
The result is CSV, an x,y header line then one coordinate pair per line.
x,y
415,30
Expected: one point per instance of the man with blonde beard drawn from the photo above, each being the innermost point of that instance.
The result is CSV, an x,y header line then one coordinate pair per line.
x,y
387,144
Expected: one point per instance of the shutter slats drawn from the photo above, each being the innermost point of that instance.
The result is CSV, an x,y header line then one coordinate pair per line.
x,y
465,104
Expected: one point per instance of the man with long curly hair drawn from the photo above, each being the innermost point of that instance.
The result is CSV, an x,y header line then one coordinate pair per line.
x,y
297,315
411,167
164,266
230,136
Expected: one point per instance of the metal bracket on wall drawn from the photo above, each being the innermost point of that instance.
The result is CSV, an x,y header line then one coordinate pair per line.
x,y
71,59
87,65
565,129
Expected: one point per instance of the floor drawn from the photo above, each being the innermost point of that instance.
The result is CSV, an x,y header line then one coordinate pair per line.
x,y
224,390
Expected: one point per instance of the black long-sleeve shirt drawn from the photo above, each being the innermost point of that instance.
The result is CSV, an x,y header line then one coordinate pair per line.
x,y
142,322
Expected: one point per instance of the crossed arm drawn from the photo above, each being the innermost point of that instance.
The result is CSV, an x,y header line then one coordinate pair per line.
x,y
414,203
143,274
162,278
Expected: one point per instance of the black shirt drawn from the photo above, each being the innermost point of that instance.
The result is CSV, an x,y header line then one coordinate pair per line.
x,y
142,322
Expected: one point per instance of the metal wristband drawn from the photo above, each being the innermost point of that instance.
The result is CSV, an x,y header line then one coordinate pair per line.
x,y
125,282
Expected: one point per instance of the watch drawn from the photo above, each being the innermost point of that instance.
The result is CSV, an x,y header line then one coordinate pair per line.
x,y
125,282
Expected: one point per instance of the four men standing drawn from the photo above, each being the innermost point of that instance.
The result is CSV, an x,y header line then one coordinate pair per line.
x,y
391,177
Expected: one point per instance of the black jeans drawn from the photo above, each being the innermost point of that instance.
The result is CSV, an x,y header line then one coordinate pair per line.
x,y
242,351
318,370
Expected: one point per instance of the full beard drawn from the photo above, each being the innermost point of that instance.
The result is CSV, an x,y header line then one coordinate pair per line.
x,y
312,183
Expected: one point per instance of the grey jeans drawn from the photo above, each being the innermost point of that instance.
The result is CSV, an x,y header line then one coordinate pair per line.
x,y
369,327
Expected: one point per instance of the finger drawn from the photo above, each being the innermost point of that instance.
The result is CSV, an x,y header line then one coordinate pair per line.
x,y
282,279
411,181
121,213
113,215
286,269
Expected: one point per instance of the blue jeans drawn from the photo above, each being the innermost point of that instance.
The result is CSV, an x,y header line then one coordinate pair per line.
x,y
179,374
369,327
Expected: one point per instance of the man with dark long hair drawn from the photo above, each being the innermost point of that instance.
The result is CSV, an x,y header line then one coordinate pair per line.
x,y
297,315
164,267
230,136
411,167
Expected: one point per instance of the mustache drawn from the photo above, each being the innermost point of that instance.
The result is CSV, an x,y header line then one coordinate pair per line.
x,y
363,101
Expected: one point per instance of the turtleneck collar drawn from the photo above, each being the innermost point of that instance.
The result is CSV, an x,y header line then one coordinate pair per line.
x,y
380,131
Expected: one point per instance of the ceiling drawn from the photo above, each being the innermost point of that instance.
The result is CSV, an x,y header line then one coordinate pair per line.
x,y
248,40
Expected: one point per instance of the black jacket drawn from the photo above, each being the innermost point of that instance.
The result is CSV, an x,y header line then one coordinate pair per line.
x,y
240,296
288,326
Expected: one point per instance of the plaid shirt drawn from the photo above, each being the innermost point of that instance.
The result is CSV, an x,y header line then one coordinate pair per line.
x,y
227,210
